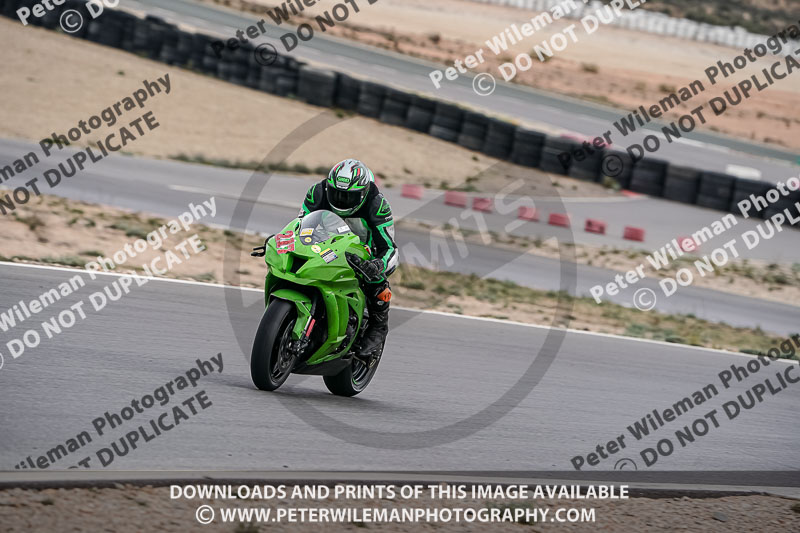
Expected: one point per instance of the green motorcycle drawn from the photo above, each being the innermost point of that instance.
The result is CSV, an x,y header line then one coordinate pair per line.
x,y
315,310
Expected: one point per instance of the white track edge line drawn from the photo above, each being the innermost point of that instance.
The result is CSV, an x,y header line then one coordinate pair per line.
x,y
442,313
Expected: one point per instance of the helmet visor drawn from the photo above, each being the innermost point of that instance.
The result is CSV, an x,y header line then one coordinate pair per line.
x,y
342,200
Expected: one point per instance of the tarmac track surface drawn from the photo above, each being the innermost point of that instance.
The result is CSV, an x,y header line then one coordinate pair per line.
x,y
437,371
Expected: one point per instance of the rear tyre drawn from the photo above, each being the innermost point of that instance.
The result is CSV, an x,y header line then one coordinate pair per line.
x,y
353,379
271,361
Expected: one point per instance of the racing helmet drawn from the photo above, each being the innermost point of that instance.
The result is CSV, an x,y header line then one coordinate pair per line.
x,y
347,186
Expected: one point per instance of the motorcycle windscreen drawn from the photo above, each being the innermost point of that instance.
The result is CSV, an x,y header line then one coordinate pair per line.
x,y
320,226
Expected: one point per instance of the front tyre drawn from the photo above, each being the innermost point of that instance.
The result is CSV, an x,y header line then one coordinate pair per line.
x,y
353,379
272,359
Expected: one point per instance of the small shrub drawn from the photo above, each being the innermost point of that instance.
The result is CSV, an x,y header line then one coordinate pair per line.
x,y
590,67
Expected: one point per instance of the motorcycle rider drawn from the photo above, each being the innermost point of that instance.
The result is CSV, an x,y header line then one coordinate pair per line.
x,y
350,192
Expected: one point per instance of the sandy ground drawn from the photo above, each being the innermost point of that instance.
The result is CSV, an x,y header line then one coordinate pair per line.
x,y
753,278
59,81
131,509
611,66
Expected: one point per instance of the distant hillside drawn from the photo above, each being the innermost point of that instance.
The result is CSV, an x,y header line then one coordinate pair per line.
x,y
758,16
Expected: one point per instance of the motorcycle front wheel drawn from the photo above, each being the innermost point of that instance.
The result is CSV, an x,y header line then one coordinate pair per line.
x,y
271,360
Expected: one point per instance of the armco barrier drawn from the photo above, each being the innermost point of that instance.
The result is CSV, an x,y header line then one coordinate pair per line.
x,y
455,198
485,205
558,219
410,190
595,226
156,39
633,234
528,213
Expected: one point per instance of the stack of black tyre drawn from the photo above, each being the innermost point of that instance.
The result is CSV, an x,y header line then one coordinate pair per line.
x,y
716,190
420,114
554,152
790,202
447,121
648,176
527,148
370,100
348,91
473,130
316,86
743,189
587,166
395,107
499,139
617,165
681,184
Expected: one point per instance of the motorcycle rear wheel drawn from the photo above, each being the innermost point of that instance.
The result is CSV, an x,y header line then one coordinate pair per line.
x,y
271,361
353,379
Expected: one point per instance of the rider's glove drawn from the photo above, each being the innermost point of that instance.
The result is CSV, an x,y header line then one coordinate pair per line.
x,y
371,270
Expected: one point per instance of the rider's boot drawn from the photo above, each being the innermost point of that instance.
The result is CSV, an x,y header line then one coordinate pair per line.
x,y
378,326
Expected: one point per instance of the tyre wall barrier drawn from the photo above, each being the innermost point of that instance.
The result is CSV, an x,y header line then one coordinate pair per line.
x,y
716,190
284,76
791,202
587,167
348,91
447,121
473,130
499,139
395,107
420,114
648,176
316,86
527,149
552,149
742,189
370,101
681,184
